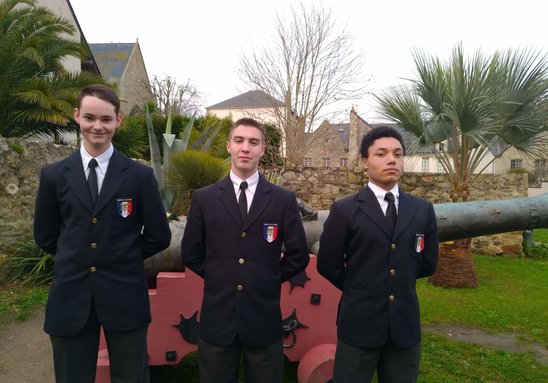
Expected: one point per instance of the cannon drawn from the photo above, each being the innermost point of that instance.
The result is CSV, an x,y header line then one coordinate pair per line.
x,y
308,301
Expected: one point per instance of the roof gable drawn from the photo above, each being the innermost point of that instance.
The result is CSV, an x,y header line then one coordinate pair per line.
x,y
112,59
251,99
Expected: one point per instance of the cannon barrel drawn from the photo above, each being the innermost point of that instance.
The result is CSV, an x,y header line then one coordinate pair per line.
x,y
476,218
455,221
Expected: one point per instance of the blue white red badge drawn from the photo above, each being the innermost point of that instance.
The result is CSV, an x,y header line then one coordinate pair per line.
x,y
419,242
270,232
124,207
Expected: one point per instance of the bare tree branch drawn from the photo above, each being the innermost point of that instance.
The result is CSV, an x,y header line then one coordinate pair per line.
x,y
309,65
183,99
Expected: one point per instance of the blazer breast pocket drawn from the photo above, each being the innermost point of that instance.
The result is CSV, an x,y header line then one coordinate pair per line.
x,y
270,238
124,212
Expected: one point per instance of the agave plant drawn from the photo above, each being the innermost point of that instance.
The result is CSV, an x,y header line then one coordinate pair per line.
x,y
172,146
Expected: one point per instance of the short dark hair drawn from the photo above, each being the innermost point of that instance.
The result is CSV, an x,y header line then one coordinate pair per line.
x,y
248,122
374,134
100,91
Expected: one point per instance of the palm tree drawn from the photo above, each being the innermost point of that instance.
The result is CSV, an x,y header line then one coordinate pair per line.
x,y
36,92
479,107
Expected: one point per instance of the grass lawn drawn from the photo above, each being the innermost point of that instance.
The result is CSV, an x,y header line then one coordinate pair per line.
x,y
511,297
540,235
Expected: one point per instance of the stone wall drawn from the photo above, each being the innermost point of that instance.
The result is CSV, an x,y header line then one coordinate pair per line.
x,y
320,187
20,163
21,160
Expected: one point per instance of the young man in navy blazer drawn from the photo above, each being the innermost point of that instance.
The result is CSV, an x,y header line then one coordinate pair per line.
x,y
235,244
376,265
99,245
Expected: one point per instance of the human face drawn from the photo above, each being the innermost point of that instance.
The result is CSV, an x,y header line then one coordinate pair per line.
x,y
98,120
384,163
246,147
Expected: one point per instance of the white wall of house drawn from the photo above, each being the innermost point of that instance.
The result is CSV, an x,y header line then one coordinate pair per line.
x,y
264,115
428,163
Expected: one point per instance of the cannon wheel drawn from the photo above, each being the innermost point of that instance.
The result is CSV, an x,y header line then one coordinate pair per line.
x,y
316,365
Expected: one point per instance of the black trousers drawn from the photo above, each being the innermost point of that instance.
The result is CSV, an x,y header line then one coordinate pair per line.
x,y
393,365
75,357
219,364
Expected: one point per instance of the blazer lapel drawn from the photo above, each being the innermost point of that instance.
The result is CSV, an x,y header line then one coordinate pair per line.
x,y
228,198
370,206
114,178
76,179
260,201
406,212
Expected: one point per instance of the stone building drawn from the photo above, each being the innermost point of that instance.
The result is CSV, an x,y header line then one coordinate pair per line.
x,y
123,63
336,145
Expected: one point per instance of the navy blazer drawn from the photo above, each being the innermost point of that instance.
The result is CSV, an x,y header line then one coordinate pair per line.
x,y
242,265
376,270
99,253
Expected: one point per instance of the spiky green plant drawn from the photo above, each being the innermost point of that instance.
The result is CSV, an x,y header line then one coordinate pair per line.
x,y
171,146
131,137
191,170
29,265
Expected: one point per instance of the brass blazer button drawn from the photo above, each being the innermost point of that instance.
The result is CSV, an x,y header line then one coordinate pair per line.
x,y
241,260
93,269
393,246
392,272
243,235
93,245
94,220
239,287
391,297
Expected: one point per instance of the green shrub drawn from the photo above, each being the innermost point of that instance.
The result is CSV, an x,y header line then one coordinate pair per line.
x,y
29,265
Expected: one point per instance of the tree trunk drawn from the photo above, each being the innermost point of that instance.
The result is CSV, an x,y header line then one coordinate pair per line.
x,y
455,264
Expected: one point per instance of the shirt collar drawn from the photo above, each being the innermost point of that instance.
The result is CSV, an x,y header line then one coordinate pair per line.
x,y
380,192
251,181
102,160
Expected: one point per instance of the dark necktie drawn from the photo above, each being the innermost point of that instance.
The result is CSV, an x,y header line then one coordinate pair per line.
x,y
391,214
92,181
242,201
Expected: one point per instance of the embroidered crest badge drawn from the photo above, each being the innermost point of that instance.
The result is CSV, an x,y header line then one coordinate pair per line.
x,y
124,207
419,242
270,232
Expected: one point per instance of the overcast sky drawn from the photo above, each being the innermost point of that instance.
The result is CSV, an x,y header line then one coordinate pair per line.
x,y
203,40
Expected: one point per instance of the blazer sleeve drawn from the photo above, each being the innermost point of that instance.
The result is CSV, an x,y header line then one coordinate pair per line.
x,y
331,258
295,257
193,242
156,232
47,218
431,246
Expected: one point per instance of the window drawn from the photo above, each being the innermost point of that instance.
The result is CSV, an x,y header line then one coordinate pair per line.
x,y
425,164
307,162
440,167
343,162
326,162
515,164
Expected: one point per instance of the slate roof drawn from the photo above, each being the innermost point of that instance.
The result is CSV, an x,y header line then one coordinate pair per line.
x,y
112,59
251,99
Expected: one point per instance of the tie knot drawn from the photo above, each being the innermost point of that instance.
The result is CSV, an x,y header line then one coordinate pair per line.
x,y
389,197
92,163
243,185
